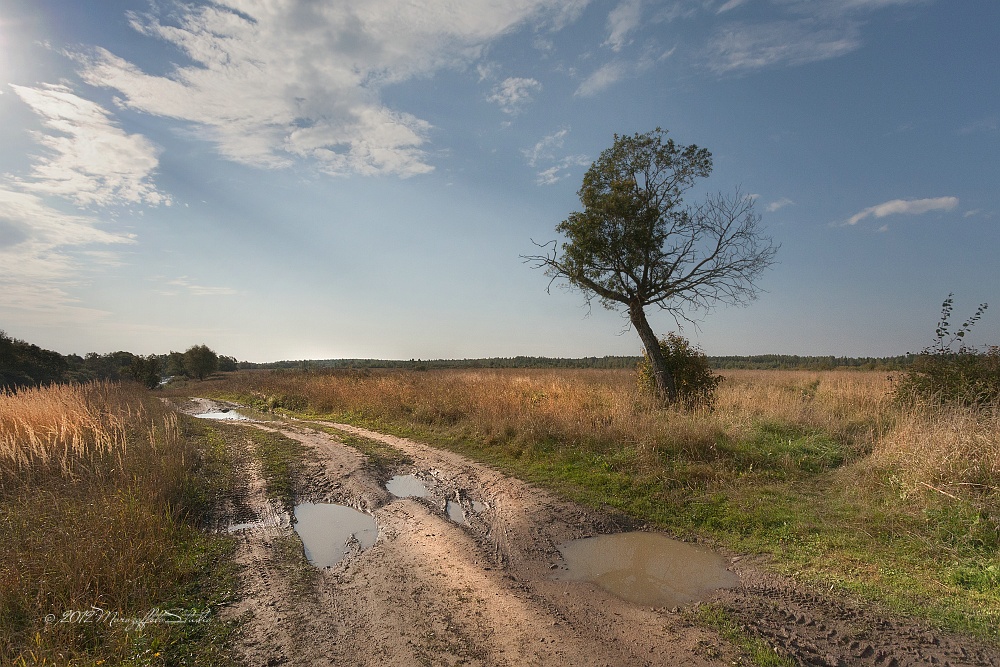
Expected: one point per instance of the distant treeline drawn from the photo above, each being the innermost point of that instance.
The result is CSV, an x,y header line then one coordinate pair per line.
x,y
760,361
796,362
23,364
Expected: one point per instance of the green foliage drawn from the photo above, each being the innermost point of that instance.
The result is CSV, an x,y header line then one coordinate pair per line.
x,y
146,370
23,364
637,244
693,376
753,648
946,374
174,364
200,361
632,206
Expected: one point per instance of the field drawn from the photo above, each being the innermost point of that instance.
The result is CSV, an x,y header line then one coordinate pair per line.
x,y
824,473
103,496
110,501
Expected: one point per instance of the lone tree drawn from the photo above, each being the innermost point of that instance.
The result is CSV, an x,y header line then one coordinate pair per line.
x,y
200,361
636,244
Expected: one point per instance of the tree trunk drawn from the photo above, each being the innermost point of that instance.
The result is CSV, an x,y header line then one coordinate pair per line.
x,y
664,379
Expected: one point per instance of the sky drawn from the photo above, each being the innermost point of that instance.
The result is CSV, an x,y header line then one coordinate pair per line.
x,y
306,179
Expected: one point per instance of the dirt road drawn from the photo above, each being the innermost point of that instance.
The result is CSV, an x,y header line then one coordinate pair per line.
x,y
432,591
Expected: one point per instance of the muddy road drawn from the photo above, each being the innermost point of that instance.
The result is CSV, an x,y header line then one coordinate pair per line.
x,y
470,574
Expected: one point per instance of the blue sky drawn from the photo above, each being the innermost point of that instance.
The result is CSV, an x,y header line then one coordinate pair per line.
x,y
290,179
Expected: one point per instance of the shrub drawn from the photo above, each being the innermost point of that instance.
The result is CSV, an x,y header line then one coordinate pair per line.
x,y
941,373
693,377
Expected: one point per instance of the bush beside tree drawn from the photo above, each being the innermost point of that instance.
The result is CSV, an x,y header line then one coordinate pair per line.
x,y
693,376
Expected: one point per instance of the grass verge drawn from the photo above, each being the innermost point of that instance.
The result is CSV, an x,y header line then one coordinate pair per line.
x,y
103,497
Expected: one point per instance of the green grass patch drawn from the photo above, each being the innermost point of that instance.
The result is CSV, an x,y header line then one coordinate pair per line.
x,y
753,649
281,459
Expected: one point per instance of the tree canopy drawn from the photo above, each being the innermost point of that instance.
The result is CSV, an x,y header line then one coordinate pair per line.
x,y
636,243
200,361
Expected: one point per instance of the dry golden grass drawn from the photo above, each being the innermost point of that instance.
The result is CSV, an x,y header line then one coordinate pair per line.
x,y
97,498
67,425
604,412
954,450
585,406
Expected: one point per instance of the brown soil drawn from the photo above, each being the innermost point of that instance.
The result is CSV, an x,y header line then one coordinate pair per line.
x,y
434,592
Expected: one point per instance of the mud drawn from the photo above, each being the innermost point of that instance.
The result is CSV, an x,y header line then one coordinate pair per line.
x,y
433,591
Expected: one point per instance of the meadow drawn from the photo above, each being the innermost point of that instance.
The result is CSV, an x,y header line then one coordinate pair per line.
x,y
104,495
107,496
822,475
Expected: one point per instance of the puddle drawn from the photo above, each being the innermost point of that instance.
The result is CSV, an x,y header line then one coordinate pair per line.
x,y
327,531
455,512
406,486
645,568
478,507
222,414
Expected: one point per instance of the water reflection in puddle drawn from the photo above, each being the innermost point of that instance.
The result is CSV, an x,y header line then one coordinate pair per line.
x,y
646,568
406,486
455,512
327,530
228,414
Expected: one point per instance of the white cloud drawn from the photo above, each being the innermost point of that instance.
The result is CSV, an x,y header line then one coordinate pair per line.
x,y
796,32
602,77
743,46
487,70
779,204
545,152
561,169
904,207
545,148
38,249
90,160
513,93
622,20
988,125
276,81
732,4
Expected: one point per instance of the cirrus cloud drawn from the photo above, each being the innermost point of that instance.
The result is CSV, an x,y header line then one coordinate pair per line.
x,y
904,207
